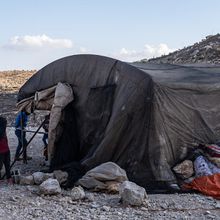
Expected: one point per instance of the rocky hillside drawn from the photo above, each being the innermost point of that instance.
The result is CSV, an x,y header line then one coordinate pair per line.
x,y
206,51
11,81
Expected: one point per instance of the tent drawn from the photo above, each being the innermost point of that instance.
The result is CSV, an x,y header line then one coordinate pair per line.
x,y
141,116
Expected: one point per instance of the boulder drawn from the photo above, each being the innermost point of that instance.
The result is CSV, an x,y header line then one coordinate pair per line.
x,y
61,176
106,176
50,187
132,194
113,187
27,180
38,177
184,170
48,176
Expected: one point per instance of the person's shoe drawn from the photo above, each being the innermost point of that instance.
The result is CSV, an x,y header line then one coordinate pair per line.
x,y
173,187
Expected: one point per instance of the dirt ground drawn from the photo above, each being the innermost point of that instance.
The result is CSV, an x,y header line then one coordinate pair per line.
x,y
21,202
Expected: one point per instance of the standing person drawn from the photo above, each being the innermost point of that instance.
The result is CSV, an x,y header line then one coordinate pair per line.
x,y
20,125
4,149
45,136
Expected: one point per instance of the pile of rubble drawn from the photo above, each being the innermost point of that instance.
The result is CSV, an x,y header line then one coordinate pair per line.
x,y
206,51
96,180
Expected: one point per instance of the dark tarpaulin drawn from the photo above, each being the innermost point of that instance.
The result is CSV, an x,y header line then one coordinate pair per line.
x,y
141,117
186,110
112,110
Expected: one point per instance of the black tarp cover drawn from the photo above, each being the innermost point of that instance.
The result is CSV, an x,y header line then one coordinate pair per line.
x,y
140,116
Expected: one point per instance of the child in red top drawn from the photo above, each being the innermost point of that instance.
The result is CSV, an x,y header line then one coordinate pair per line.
x,y
4,149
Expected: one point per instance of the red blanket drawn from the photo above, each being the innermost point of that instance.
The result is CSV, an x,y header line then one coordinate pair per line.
x,y
208,185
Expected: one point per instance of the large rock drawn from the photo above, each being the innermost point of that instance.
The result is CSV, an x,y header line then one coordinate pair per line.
x,y
40,177
184,170
50,187
77,193
27,180
132,194
48,176
104,177
61,176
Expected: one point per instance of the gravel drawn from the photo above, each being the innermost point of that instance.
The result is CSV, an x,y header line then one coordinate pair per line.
x,y
23,202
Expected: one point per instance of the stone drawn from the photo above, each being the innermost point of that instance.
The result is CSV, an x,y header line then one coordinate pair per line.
x,y
106,208
94,205
132,194
77,193
217,205
14,199
113,187
27,180
50,187
145,209
48,176
103,176
38,177
61,176
184,170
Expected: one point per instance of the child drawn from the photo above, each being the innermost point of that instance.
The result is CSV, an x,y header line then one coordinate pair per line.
x,y
4,149
20,125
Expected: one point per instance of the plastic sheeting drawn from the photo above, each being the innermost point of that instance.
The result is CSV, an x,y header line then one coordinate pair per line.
x,y
103,176
181,116
143,118
208,185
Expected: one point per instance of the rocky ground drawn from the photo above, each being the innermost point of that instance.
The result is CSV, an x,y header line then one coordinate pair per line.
x,y
11,81
205,51
22,202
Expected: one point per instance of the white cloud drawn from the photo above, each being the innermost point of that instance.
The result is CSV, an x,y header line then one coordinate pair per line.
x,y
149,51
163,49
83,50
38,41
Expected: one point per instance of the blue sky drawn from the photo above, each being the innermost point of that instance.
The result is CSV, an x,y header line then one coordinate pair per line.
x,y
37,32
